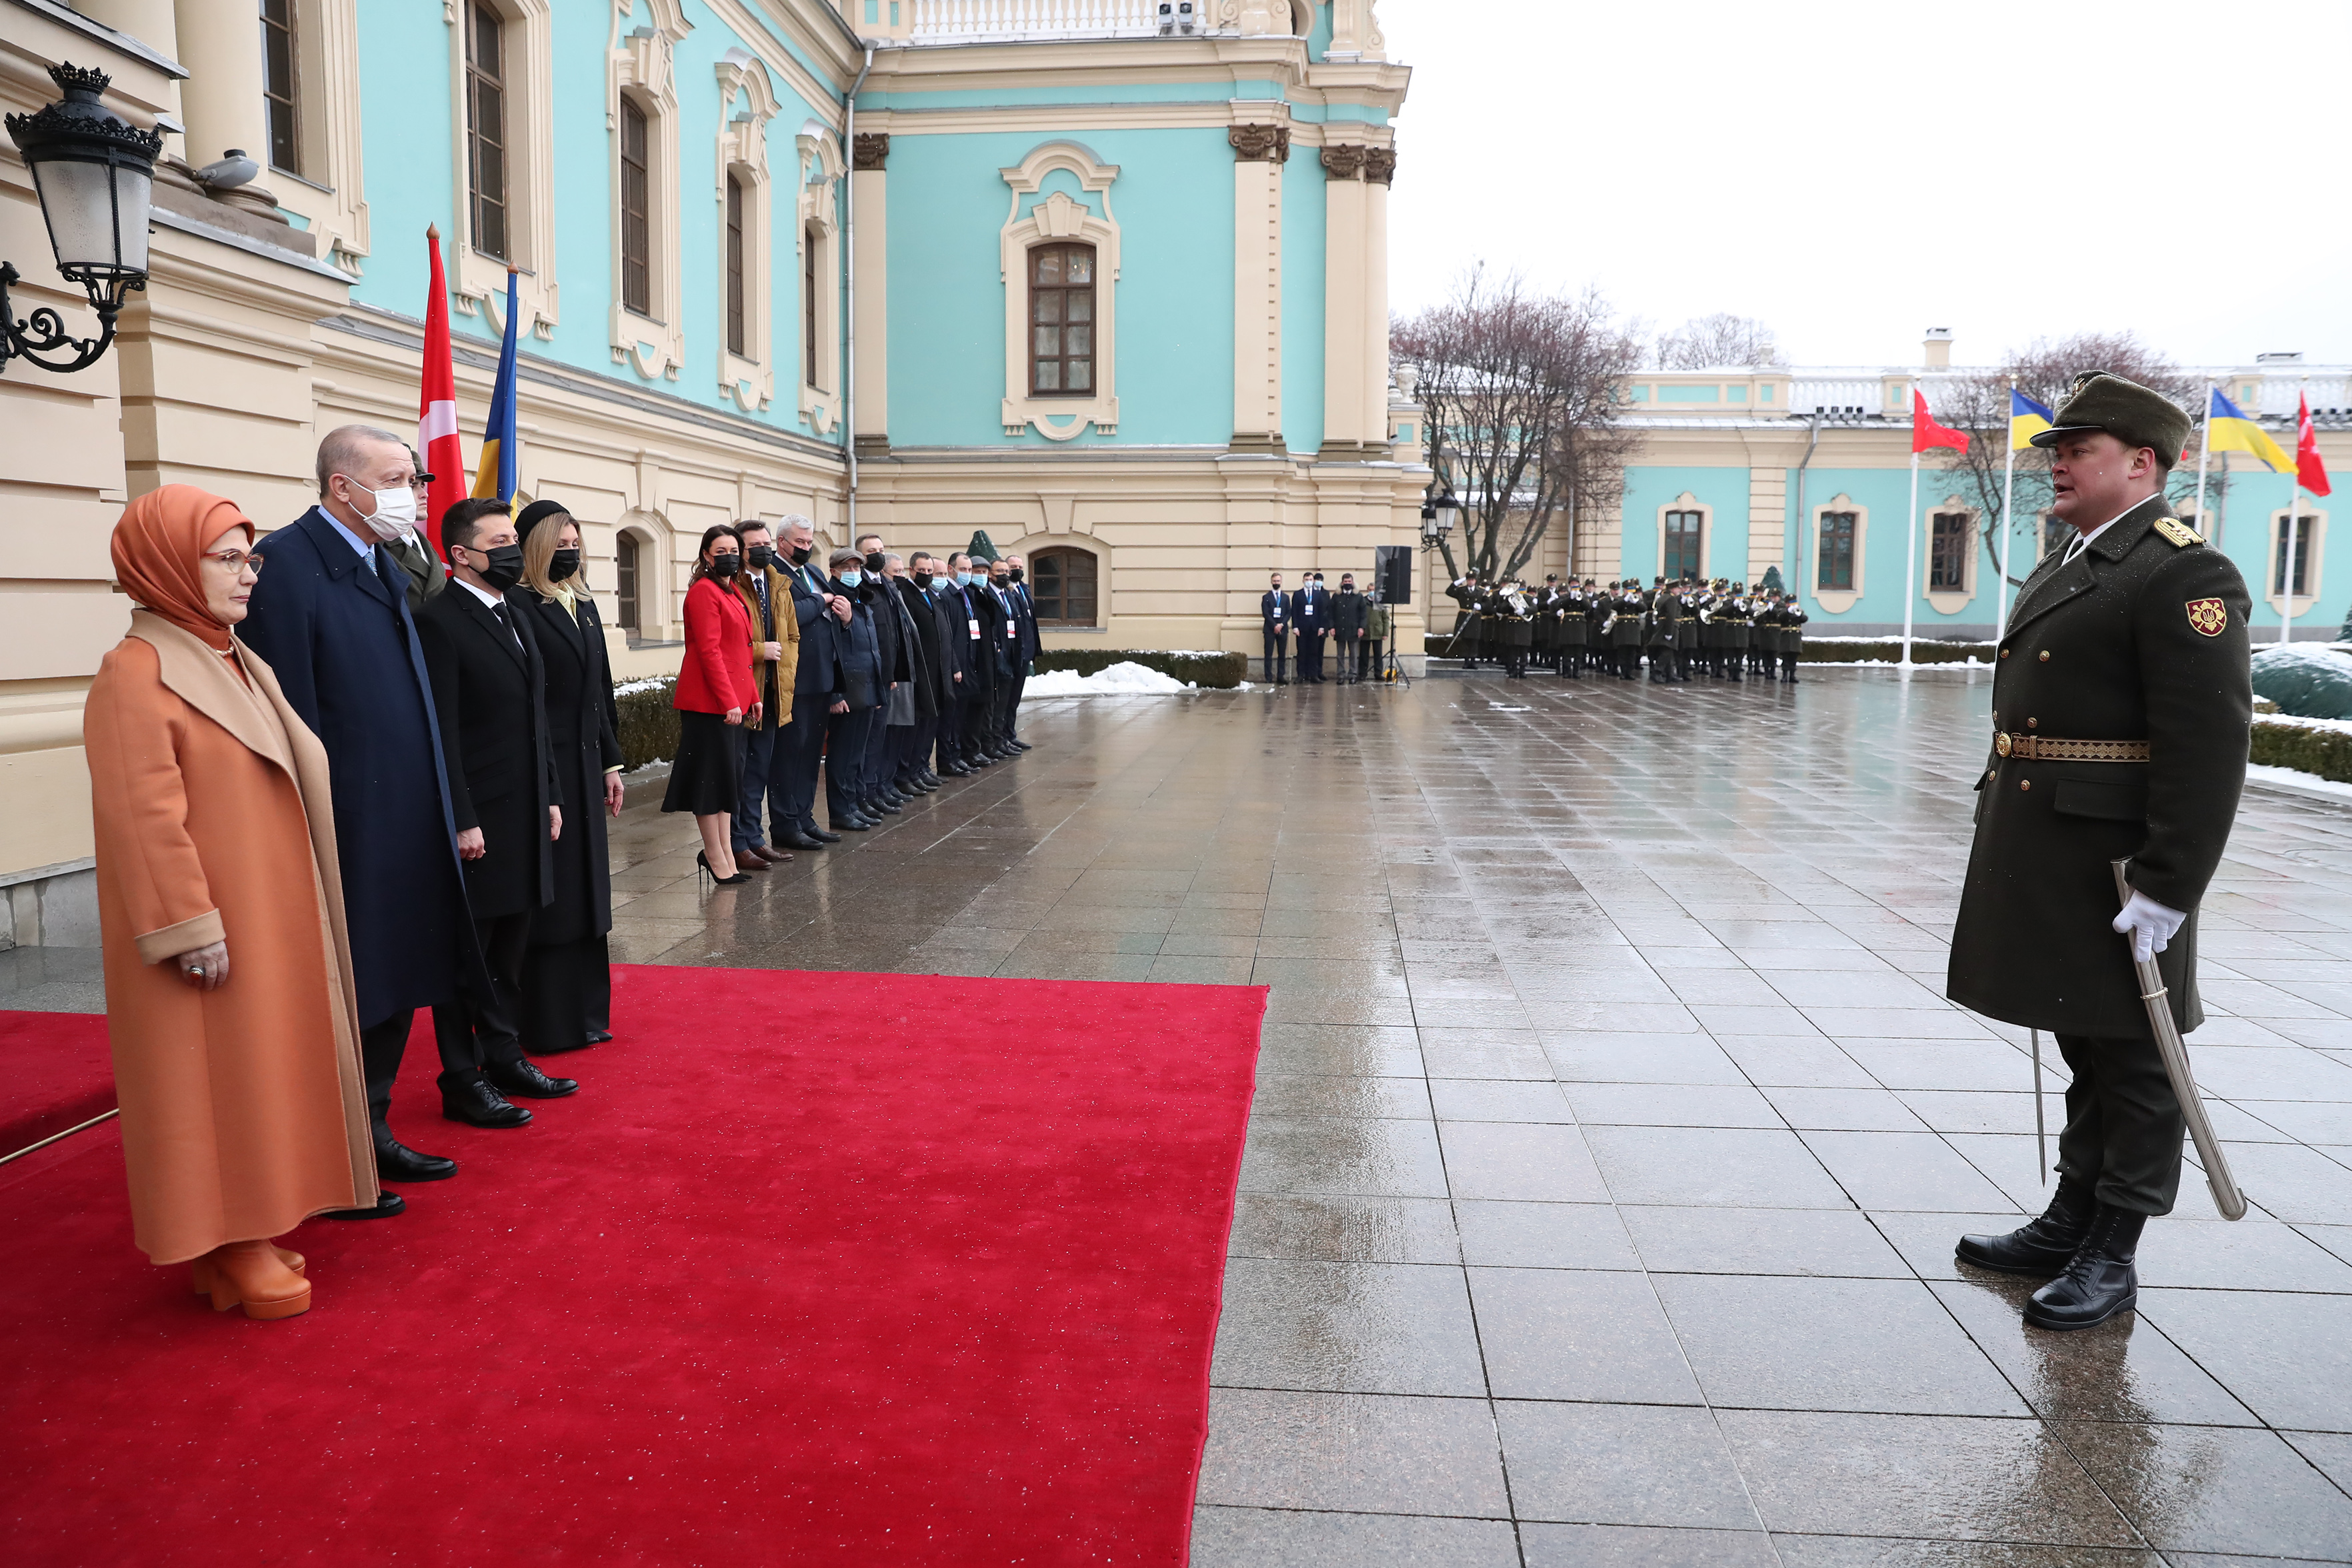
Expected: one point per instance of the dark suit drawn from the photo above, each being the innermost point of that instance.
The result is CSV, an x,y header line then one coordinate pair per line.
x,y
2142,637
816,687
335,629
490,689
1274,627
567,974
911,744
1310,612
767,745
993,653
865,682
1032,645
1347,625
949,607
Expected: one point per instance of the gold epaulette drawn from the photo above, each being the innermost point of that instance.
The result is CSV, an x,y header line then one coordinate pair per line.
x,y
2179,532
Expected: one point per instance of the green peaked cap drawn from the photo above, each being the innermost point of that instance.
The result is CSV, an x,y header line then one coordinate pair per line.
x,y
980,548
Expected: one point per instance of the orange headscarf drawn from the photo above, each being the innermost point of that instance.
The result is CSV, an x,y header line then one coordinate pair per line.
x,y
159,544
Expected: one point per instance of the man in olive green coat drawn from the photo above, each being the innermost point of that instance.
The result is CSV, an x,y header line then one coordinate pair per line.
x,y
2121,705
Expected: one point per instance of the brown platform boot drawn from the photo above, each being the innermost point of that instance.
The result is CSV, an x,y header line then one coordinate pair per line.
x,y
201,1271
250,1274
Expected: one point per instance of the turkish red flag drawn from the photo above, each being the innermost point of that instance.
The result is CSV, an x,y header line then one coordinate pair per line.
x,y
1927,433
437,446
2309,471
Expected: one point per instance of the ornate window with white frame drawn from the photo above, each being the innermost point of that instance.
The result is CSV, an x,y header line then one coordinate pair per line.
x,y
311,89
747,356
1072,219
819,264
648,329
1062,318
503,84
1685,539
1951,551
1841,542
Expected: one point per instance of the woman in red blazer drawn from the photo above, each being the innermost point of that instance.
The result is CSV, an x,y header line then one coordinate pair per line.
x,y
715,693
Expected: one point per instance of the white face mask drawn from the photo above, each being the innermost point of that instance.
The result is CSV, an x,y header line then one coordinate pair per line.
x,y
393,510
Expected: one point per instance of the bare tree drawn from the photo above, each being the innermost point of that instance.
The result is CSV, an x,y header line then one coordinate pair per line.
x,y
2044,370
1520,395
1722,339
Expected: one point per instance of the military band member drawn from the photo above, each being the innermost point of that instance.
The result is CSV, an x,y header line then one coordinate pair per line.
x,y
2121,706
1469,625
1793,636
1573,629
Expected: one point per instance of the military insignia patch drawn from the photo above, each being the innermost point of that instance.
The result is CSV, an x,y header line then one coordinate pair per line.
x,y
2209,617
2182,535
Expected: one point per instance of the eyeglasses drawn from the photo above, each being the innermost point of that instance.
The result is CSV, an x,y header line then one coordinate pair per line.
x,y
235,559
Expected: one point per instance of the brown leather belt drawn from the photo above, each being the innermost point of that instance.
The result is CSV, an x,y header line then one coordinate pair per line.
x,y
2044,749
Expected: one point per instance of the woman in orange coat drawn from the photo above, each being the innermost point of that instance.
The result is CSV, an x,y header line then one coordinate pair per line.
x,y
228,978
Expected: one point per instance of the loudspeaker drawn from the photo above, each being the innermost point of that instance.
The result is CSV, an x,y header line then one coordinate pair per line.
x,y
1393,569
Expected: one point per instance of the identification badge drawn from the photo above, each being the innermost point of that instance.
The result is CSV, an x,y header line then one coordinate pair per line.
x,y
1308,610
1012,630
974,624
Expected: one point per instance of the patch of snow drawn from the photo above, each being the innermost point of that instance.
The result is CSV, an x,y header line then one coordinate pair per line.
x,y
1124,679
650,684
2302,723
2299,782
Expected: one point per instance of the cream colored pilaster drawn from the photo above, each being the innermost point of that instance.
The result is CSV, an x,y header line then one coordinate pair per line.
x,y
222,102
870,196
154,24
1259,152
1343,301
1767,527
1380,168
1355,32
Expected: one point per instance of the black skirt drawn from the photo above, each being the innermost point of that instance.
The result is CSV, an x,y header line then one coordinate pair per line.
x,y
706,778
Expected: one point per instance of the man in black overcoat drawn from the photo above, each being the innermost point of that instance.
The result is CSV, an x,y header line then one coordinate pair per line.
x,y
967,611
937,581
490,691
912,583
330,619
1274,627
1348,628
2121,707
820,613
1025,610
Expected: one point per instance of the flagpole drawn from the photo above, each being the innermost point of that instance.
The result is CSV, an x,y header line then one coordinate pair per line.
x,y
2204,450
2294,499
1911,556
2008,495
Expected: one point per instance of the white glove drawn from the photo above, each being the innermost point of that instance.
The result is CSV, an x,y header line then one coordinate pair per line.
x,y
2149,924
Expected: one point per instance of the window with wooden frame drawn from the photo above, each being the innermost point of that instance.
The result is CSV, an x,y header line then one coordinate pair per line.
x,y
280,53
1951,535
486,128
1836,555
637,213
1062,321
625,575
809,240
2294,583
1685,537
736,334
1061,580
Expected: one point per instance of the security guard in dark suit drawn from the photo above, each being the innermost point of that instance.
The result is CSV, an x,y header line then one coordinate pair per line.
x,y
2121,707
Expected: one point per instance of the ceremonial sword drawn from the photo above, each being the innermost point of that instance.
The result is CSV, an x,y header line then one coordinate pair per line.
x,y
2175,1052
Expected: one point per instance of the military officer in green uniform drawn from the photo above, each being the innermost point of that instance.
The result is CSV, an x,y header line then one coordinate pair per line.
x,y
2121,705
1469,625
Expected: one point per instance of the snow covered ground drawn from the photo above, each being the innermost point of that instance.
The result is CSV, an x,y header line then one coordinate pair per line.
x,y
1123,679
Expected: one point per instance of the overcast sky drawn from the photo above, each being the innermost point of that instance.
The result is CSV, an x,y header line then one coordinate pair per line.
x,y
1836,170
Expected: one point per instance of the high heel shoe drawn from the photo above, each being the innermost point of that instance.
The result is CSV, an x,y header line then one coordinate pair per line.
x,y
716,880
201,1271
249,1274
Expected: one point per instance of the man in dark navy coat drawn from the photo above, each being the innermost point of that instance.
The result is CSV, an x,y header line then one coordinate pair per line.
x,y
1274,625
330,619
489,694
821,612
1016,571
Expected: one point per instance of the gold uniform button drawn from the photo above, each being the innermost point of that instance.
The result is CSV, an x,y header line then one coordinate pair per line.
x,y
2046,655
2005,653
1991,773
2025,784
2034,723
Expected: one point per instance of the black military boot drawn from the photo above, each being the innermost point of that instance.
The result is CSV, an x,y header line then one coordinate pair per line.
x,y
2099,1280
2042,1246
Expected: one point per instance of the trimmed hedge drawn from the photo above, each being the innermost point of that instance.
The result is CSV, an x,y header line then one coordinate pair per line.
x,y
2304,748
1222,671
648,724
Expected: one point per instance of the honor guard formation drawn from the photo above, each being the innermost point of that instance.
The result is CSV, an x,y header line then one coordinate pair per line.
x,y
1717,629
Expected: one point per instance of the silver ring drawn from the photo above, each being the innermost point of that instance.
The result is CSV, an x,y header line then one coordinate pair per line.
x,y
196,969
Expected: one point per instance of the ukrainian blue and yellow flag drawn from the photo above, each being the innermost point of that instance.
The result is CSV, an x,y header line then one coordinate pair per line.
x,y
2228,430
2027,419
495,474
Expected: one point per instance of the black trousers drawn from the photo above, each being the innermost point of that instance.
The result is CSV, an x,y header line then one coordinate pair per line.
x,y
382,1045
845,759
567,995
1365,653
1277,646
803,748
2123,1124
482,1030
767,784
1310,656
948,741
1012,703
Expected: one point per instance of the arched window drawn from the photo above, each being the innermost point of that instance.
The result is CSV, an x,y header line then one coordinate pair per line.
x,y
1686,538
1063,583
637,213
1062,321
486,128
625,571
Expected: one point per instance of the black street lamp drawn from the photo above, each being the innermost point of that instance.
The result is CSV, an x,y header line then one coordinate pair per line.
x,y
96,174
1437,517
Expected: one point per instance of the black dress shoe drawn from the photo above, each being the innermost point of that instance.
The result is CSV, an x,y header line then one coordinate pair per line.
x,y
956,770
852,823
599,1036
1019,746
386,1205
880,806
799,840
929,777
820,836
2099,1281
396,1162
470,1098
2042,1246
523,1080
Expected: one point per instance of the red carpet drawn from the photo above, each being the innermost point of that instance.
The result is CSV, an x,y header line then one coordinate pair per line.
x,y
54,1074
816,1269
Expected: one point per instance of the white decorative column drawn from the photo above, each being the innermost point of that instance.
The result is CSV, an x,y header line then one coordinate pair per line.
x,y
1380,168
1343,303
222,100
1259,153
1355,32
154,24
870,200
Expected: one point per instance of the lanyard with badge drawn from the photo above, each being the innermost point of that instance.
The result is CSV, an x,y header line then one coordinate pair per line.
x,y
971,622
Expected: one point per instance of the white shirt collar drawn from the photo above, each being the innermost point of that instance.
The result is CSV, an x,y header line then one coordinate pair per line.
x,y
365,547
2083,541
493,600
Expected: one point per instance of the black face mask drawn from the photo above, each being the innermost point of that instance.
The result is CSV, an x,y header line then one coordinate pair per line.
x,y
800,555
761,556
502,568
562,564
874,563
1015,573
923,580
726,566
